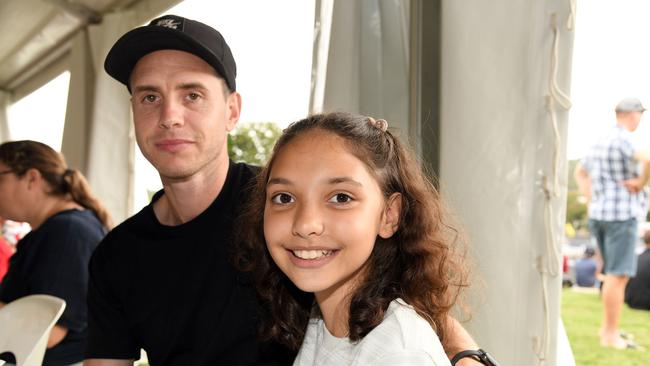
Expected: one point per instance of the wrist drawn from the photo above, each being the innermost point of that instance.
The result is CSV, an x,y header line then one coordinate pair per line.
x,y
473,357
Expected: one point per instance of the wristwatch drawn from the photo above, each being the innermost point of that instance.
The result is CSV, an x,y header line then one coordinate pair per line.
x,y
477,354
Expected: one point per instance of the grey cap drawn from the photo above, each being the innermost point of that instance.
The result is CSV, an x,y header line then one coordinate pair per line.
x,y
630,105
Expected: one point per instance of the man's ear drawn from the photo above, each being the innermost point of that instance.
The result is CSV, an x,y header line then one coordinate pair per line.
x,y
233,104
391,215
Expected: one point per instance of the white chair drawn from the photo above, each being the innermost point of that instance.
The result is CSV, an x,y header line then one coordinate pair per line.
x,y
25,326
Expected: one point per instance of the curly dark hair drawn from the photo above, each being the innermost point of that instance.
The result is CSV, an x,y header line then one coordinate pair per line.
x,y
421,263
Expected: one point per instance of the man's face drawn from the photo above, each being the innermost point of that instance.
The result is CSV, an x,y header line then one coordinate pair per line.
x,y
636,119
182,114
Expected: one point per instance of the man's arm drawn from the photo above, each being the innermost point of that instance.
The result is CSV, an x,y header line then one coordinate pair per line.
x,y
583,180
635,185
642,155
107,362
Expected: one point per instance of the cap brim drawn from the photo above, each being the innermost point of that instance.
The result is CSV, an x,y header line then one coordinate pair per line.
x,y
137,43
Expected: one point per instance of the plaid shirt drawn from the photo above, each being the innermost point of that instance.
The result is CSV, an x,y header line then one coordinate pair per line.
x,y
609,162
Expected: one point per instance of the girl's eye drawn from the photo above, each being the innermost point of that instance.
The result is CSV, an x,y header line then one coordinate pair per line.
x,y
282,198
340,198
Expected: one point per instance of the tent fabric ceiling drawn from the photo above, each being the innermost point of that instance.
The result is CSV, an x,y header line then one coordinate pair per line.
x,y
34,31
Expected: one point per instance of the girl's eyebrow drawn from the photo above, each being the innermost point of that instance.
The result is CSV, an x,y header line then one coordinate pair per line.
x,y
273,181
337,180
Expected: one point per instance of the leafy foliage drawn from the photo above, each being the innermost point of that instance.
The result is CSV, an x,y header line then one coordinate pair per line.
x,y
576,206
253,142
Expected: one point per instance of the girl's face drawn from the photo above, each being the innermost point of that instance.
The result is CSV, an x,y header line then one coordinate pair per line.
x,y
322,214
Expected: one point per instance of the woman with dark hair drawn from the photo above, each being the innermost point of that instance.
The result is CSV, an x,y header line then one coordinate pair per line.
x,y
354,259
67,223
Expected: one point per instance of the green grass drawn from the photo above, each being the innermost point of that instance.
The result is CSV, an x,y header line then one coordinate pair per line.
x,y
582,313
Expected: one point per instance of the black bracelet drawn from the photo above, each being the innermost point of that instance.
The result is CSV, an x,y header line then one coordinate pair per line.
x,y
477,354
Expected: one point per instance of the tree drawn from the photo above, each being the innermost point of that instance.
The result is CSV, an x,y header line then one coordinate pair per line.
x,y
576,208
253,142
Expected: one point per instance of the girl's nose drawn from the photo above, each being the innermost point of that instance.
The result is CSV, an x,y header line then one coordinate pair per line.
x,y
308,221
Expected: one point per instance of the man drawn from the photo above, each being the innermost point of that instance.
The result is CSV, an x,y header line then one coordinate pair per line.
x,y
586,268
162,280
608,176
637,292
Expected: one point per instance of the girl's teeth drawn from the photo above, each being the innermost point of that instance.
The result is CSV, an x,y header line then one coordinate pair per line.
x,y
311,254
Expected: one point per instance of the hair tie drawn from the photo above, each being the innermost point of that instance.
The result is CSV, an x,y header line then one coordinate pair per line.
x,y
380,124
68,172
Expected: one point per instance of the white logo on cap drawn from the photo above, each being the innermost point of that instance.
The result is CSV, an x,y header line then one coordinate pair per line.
x,y
168,23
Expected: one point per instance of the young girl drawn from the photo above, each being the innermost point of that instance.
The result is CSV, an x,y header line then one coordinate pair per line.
x,y
351,222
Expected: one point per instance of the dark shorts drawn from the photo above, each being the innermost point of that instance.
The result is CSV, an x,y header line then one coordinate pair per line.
x,y
616,241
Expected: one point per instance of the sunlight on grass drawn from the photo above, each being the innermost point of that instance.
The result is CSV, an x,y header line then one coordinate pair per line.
x,y
581,314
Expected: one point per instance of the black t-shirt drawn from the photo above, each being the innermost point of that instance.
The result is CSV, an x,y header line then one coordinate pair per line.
x,y
637,292
173,291
53,260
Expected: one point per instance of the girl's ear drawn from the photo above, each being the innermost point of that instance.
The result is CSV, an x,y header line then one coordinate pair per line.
x,y
391,215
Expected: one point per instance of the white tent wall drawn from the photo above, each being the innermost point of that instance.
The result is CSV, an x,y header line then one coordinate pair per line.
x,y
96,137
4,123
498,144
78,115
498,153
361,59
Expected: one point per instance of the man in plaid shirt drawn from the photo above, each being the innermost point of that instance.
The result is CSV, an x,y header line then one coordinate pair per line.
x,y
611,178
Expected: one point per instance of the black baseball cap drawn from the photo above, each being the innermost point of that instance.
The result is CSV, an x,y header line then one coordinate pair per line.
x,y
171,32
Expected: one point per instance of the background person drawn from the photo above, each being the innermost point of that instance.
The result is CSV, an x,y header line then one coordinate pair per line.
x,y
609,177
586,268
637,292
67,223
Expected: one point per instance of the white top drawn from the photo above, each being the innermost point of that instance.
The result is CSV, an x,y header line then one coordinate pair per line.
x,y
403,338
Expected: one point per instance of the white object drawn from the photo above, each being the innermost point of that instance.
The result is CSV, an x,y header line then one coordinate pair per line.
x,y
402,338
25,326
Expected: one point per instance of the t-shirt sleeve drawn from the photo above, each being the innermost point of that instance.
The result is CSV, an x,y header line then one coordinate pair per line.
x,y
411,358
109,334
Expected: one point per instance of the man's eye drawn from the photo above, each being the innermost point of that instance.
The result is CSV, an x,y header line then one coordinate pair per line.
x,y
193,96
282,198
150,98
340,198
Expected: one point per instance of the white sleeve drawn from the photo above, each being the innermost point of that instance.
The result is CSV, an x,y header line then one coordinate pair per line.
x,y
411,358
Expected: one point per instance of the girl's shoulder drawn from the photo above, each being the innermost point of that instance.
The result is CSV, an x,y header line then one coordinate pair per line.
x,y
403,322
404,331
